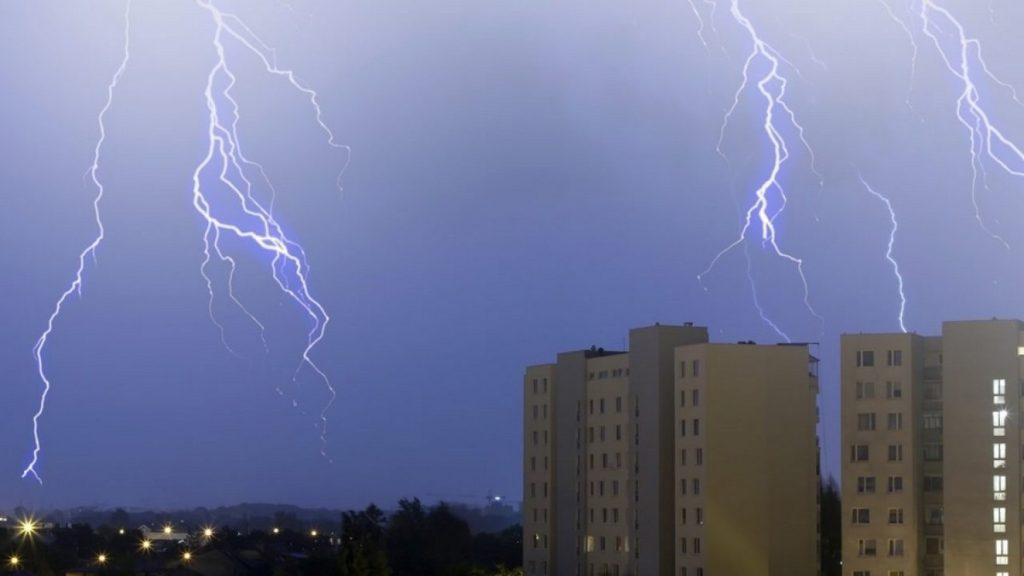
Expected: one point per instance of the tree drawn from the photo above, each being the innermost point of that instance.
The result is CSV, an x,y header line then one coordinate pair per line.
x,y
831,528
362,543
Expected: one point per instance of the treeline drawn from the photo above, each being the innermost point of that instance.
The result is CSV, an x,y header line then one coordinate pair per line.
x,y
414,540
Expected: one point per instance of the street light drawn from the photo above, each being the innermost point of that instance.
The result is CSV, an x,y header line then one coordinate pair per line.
x,y
146,545
101,559
14,561
277,530
27,527
187,556
121,531
313,533
167,529
208,533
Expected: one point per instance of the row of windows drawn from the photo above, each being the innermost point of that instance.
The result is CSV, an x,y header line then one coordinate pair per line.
x,y
694,548
605,517
536,437
698,514
540,410
533,489
863,516
699,453
538,389
605,570
695,483
694,398
867,484
694,369
866,390
533,463
894,453
601,544
600,488
695,424
601,405
866,358
601,433
869,547
606,462
605,374
866,421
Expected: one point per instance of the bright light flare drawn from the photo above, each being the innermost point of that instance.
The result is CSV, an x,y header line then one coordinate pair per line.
x,y
28,528
101,559
146,545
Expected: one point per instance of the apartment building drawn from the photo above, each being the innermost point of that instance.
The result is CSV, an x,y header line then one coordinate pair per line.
x,y
931,428
676,457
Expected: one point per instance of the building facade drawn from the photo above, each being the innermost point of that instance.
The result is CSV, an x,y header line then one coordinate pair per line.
x,y
931,428
676,457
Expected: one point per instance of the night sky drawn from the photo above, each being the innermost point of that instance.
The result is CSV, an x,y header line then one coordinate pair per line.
x,y
526,177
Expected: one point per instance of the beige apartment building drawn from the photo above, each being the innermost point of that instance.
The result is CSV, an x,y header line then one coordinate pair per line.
x,y
678,457
931,476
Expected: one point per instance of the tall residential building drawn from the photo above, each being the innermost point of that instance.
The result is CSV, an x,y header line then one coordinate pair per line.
x,y
933,440
677,457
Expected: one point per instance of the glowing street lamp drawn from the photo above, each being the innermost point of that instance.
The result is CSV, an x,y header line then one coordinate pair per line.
x,y
313,533
146,545
207,533
277,530
14,561
167,529
27,528
187,556
121,531
101,559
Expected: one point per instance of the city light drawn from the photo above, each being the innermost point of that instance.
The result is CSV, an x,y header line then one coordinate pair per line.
x,y
186,556
121,531
101,559
146,545
277,530
13,561
28,527
167,529
313,533
207,533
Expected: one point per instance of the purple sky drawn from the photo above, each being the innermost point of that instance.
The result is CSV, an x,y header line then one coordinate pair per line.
x,y
526,178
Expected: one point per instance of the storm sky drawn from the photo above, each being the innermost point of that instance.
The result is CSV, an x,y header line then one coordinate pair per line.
x,y
526,177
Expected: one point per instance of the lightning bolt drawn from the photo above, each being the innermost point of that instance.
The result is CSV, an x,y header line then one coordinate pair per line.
x,y
253,222
967,64
913,57
888,254
770,196
38,351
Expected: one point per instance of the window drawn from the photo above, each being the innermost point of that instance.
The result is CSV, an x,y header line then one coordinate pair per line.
x,y
700,515
859,453
893,390
682,487
999,455
999,487
696,397
618,432
682,427
602,405
860,516
932,483
865,485
895,452
866,548
865,358
933,452
933,546
696,547
696,426
696,486
895,421
866,421
534,385
682,457
618,404
932,420
895,484
895,515
895,547
934,516
700,456
999,520
682,369
696,368
894,358
865,390
682,397
1002,552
